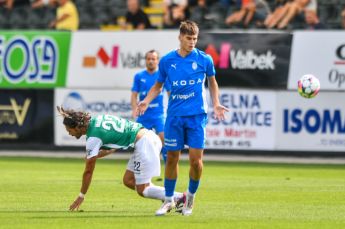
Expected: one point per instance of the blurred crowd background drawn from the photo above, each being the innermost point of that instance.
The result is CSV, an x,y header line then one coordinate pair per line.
x,y
166,14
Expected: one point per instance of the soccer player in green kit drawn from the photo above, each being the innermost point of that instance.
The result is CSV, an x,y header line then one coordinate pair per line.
x,y
105,134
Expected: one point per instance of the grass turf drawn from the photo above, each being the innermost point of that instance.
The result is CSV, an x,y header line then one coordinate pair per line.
x,y
36,193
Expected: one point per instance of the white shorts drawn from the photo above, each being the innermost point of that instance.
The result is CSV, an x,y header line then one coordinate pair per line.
x,y
145,161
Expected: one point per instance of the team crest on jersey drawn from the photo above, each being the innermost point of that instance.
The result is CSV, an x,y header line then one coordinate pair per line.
x,y
194,65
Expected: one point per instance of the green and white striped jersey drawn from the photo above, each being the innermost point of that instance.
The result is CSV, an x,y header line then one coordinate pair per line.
x,y
111,132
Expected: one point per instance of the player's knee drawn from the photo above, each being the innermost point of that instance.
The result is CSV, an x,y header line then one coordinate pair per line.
x,y
196,164
171,162
173,157
128,183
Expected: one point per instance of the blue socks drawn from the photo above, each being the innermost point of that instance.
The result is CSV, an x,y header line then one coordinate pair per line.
x,y
193,185
170,184
169,187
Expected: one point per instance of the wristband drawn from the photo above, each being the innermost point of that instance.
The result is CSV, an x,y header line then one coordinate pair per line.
x,y
81,195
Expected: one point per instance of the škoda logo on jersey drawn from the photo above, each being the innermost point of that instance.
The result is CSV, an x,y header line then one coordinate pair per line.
x,y
113,58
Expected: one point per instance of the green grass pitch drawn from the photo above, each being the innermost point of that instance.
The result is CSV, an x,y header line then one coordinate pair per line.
x,y
36,193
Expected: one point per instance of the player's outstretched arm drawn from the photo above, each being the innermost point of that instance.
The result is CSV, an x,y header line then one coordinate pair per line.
x,y
134,104
219,110
87,177
153,93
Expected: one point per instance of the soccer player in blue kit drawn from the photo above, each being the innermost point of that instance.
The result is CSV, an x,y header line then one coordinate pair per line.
x,y
186,70
154,116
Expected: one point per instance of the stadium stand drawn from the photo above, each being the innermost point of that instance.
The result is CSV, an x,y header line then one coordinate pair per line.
x,y
330,12
97,13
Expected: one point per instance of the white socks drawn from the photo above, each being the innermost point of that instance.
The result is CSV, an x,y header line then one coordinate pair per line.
x,y
190,194
154,192
157,192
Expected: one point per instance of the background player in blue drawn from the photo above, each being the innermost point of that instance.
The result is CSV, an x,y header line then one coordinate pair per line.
x,y
154,117
185,69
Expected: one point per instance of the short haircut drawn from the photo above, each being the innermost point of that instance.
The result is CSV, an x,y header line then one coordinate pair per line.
x,y
189,28
152,51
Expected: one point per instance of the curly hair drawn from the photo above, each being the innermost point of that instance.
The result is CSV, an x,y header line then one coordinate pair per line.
x,y
73,119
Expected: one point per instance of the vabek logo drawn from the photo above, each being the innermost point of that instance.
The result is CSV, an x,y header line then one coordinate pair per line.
x,y
31,61
113,58
240,59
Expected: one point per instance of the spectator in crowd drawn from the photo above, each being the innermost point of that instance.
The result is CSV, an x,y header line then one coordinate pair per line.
x,y
289,11
261,12
10,4
200,12
43,3
280,9
174,12
199,9
244,14
6,3
67,17
297,9
136,18
208,13
250,11
312,20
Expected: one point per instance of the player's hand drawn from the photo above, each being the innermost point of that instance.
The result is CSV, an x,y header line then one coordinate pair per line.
x,y
141,108
76,204
134,113
219,112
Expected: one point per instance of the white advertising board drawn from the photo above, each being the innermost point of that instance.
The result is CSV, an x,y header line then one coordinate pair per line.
x,y
250,124
115,102
316,124
111,59
321,53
